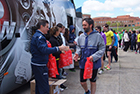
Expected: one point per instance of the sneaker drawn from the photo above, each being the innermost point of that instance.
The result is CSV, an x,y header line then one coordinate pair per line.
x,y
63,87
63,77
108,68
135,52
100,71
88,92
65,74
72,70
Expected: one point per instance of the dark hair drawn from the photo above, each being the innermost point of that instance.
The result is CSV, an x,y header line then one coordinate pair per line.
x,y
59,25
106,25
53,30
113,31
41,22
89,21
80,32
99,27
134,31
66,34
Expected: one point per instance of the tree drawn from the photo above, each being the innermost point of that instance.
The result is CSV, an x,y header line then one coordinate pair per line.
x,y
108,22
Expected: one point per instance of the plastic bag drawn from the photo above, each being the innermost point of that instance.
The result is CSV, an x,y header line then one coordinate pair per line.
x,y
52,65
65,59
88,69
71,65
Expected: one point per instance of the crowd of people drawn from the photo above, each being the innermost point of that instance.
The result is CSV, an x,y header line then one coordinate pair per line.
x,y
96,43
129,39
61,39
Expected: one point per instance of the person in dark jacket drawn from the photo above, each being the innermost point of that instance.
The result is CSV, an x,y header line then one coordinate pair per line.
x,y
133,40
71,41
55,41
72,36
40,55
129,35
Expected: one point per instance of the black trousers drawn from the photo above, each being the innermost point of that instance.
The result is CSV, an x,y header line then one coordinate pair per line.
x,y
120,42
114,54
126,46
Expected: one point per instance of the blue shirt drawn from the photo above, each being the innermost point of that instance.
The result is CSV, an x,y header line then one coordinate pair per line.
x,y
116,40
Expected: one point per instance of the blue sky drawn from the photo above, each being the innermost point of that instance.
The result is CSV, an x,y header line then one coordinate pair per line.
x,y
109,8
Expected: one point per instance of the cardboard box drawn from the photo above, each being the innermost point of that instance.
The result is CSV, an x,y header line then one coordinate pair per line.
x,y
54,86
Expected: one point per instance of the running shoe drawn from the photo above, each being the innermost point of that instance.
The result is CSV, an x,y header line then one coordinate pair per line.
x,y
61,89
63,86
100,71
88,92
72,70
108,68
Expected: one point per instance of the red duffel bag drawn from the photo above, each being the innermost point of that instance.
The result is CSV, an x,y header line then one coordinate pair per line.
x,y
88,69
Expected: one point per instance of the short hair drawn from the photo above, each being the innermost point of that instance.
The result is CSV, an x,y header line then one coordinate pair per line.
x,y
113,31
41,22
89,21
134,31
106,25
80,32
59,25
99,27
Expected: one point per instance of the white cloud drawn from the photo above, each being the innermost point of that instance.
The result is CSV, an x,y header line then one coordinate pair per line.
x,y
128,9
104,14
137,9
109,5
131,14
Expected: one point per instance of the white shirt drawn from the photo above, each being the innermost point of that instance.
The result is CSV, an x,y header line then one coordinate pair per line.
x,y
126,38
63,39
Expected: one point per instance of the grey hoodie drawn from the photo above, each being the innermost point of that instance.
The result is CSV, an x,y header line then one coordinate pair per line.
x,y
90,45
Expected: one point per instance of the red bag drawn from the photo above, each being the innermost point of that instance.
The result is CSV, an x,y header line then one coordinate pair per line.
x,y
52,65
69,56
65,59
88,69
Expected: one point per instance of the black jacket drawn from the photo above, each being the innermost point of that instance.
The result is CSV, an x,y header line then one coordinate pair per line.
x,y
55,42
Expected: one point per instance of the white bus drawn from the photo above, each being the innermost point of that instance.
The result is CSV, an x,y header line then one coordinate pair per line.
x,y
16,19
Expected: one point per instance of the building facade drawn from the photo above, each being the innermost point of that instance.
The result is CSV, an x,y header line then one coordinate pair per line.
x,y
120,21
86,16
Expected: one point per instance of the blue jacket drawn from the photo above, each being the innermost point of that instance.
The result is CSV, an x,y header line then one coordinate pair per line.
x,y
72,36
40,50
90,45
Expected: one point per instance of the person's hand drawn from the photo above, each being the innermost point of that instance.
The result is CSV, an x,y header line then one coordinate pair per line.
x,y
76,57
63,52
115,47
63,48
75,42
91,58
